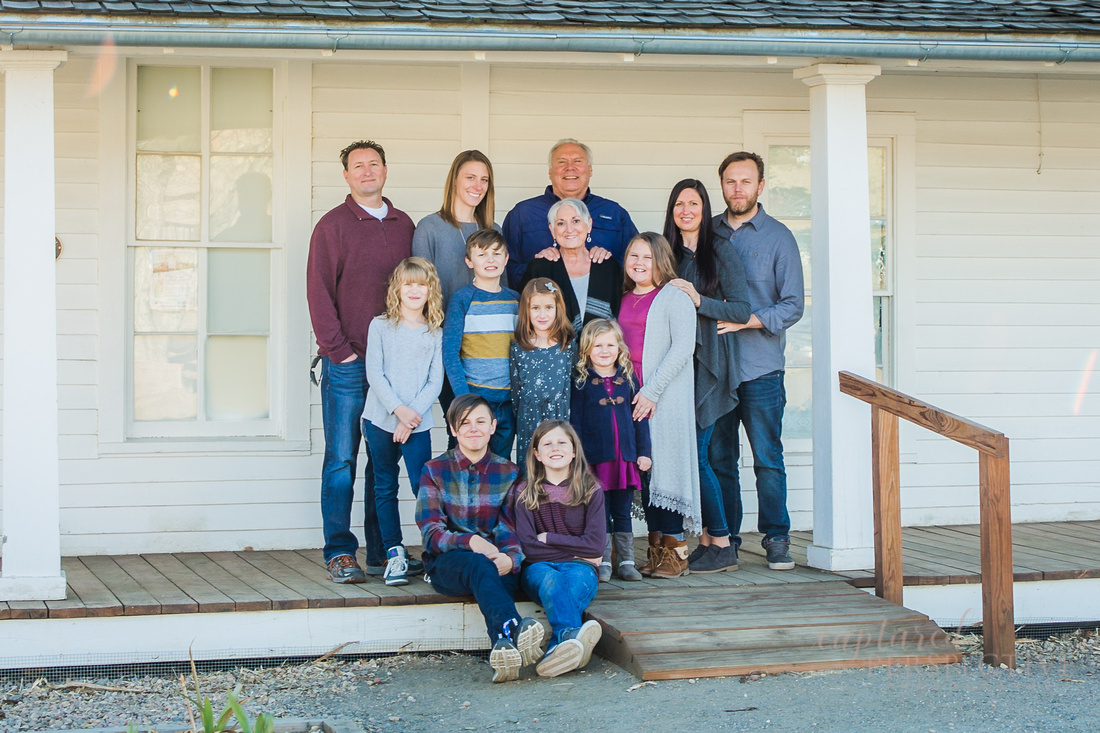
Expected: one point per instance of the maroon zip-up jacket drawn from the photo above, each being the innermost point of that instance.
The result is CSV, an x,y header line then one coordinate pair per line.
x,y
351,258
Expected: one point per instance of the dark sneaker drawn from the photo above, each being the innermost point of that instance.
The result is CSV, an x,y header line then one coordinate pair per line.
x,y
375,570
397,567
779,553
716,560
696,554
588,635
529,638
344,569
415,566
505,660
565,657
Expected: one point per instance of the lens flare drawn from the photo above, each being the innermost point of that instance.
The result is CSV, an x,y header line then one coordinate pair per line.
x,y
1082,389
173,92
104,70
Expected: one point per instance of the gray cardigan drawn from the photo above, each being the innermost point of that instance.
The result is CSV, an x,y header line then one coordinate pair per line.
x,y
667,380
404,367
717,374
444,245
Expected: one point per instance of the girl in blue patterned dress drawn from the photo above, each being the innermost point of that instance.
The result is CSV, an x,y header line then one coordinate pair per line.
x,y
541,360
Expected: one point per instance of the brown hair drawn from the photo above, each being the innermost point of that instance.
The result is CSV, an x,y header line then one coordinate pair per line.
x,y
582,484
415,270
592,331
485,239
561,330
664,264
737,158
462,406
485,210
361,145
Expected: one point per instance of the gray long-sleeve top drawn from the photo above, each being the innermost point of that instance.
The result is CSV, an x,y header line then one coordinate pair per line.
x,y
404,367
444,245
717,373
777,292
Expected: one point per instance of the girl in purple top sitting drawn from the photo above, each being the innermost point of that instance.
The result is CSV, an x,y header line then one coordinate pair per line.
x,y
616,444
561,527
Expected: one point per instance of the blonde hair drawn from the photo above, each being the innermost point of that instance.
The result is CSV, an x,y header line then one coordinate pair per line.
x,y
592,331
664,263
561,330
415,270
582,484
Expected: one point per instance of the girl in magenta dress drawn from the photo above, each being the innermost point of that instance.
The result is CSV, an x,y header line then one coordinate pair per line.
x,y
617,446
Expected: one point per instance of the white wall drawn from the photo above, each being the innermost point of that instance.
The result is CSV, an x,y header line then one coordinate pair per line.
x,y
1004,277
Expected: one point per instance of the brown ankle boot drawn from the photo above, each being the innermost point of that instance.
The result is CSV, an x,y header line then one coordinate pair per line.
x,y
674,558
652,555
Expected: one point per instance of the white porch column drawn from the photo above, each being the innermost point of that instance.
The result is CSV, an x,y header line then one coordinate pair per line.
x,y
31,521
843,331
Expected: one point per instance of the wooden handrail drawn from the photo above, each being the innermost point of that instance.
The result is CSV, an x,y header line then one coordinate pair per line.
x,y
994,505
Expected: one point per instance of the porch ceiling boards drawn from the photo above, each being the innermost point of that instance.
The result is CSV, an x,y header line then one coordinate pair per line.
x,y
1003,16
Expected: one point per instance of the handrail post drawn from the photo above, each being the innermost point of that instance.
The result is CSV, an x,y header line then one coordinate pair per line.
x,y
887,505
998,632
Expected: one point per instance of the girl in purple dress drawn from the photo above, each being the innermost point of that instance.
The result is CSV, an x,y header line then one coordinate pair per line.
x,y
617,446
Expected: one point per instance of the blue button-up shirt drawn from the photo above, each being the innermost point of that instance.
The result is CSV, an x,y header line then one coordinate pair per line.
x,y
777,292
527,230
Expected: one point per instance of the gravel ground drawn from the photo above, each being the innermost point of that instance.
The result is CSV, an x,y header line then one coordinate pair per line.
x,y
1057,687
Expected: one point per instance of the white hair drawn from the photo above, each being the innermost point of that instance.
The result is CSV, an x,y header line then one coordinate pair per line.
x,y
568,141
577,205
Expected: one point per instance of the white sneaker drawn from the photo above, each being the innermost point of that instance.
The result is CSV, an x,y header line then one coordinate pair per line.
x,y
397,567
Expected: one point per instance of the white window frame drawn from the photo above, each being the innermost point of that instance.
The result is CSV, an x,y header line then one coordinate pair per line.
x,y
287,428
897,132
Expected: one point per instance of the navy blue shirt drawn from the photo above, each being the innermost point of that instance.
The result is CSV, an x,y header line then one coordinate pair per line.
x,y
527,230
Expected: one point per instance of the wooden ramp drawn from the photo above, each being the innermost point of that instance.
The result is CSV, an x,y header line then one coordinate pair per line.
x,y
718,631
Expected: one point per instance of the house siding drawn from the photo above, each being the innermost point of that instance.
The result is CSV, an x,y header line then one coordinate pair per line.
x,y
1005,277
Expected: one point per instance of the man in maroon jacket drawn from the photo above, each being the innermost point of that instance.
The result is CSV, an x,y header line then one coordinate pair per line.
x,y
353,251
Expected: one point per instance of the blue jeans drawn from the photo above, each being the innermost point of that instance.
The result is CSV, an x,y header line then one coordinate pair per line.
x,y
501,442
761,410
710,492
385,454
343,394
618,503
564,589
464,573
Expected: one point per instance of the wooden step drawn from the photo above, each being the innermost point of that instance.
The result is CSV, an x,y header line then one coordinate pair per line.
x,y
682,634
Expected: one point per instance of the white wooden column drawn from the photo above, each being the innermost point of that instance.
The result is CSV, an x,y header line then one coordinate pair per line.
x,y
843,331
31,521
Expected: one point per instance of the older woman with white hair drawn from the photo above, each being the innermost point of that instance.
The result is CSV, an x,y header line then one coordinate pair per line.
x,y
591,289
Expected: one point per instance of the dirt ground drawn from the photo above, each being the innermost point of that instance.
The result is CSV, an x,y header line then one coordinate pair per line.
x,y
453,693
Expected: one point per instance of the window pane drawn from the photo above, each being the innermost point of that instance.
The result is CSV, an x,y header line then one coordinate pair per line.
x,y
800,228
882,340
878,254
238,290
168,197
240,198
240,110
165,376
165,289
798,414
876,175
789,180
168,108
236,377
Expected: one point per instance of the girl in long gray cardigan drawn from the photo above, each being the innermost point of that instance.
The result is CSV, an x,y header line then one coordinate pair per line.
x,y
711,274
658,323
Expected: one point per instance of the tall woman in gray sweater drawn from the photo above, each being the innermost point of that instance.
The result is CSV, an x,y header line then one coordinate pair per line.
x,y
711,274
440,238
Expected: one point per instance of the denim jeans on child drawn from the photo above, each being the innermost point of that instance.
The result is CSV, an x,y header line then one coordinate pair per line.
x,y
501,442
385,454
464,573
761,410
343,393
563,589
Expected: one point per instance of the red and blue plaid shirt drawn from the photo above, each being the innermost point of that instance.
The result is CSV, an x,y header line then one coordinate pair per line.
x,y
459,499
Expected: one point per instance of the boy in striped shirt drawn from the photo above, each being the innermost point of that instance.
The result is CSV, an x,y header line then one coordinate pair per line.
x,y
477,333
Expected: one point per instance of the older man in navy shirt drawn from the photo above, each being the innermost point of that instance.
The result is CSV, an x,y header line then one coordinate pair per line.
x,y
527,230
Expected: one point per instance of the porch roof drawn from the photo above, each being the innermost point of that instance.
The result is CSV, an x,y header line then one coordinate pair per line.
x,y
1047,17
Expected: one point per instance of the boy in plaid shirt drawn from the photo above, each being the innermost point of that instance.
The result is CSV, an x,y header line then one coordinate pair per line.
x,y
465,511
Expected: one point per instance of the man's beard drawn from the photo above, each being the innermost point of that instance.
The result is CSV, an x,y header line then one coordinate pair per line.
x,y
744,208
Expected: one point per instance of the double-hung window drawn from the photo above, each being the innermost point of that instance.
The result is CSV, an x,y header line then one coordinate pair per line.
x,y
203,253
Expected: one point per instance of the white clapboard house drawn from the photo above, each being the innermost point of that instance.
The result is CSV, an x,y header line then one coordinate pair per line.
x,y
164,164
